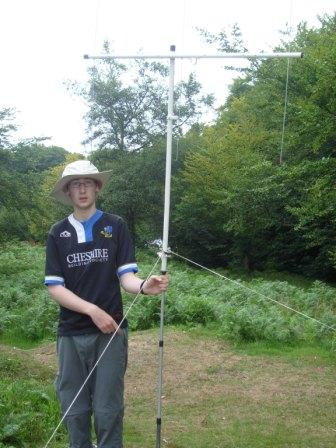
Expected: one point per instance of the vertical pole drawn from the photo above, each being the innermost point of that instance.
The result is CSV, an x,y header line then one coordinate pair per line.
x,y
170,119
284,116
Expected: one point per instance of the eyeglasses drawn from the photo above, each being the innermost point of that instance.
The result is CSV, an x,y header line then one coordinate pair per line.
x,y
76,184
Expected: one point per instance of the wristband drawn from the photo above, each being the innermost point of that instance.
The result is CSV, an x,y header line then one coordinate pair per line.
x,y
141,287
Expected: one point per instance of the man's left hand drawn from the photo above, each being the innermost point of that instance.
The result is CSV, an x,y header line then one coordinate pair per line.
x,y
156,284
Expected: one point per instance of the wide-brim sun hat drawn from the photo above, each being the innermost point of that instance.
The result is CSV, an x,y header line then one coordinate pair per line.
x,y
77,170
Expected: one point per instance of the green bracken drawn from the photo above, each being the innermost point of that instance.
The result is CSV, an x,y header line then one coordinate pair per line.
x,y
241,310
203,308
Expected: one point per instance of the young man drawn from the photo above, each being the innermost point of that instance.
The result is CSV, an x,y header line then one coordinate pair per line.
x,y
89,255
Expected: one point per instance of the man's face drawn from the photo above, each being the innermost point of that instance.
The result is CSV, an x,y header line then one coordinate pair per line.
x,y
83,192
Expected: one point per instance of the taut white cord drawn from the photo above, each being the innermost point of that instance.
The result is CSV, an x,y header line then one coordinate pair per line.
x,y
254,291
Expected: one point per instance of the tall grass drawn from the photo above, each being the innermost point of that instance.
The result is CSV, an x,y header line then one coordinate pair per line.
x,y
26,311
194,298
243,310
29,411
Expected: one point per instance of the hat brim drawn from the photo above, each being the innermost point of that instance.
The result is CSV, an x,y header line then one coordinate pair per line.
x,y
59,191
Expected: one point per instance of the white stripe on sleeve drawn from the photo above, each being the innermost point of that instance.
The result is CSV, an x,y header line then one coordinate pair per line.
x,y
129,267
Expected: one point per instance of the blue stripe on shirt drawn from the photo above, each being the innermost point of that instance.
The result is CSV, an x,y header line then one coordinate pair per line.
x,y
53,280
88,225
130,267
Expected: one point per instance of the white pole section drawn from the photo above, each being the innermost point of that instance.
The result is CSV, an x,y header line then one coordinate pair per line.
x,y
170,119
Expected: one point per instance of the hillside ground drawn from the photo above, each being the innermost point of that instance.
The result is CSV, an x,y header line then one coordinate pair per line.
x,y
220,396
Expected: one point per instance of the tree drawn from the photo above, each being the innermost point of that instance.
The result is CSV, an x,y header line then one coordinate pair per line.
x,y
7,126
32,156
311,107
237,203
314,214
11,189
212,221
135,189
128,103
26,170
228,42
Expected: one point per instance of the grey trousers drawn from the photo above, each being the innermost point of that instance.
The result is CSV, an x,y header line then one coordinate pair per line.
x,y
103,394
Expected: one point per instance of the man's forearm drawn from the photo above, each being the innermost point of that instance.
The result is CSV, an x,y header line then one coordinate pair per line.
x,y
131,283
69,300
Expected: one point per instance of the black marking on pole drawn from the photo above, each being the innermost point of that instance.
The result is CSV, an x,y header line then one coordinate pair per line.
x,y
86,56
158,432
161,343
172,47
163,272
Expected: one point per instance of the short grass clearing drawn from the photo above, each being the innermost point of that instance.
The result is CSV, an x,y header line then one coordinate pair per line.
x,y
215,394
218,396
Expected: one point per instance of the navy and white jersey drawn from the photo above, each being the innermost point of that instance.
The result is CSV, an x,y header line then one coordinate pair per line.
x,y
88,258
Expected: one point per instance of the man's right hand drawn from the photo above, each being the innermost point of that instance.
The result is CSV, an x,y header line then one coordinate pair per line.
x,y
103,320
68,299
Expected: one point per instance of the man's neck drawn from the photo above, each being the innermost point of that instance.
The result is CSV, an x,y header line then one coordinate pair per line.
x,y
84,215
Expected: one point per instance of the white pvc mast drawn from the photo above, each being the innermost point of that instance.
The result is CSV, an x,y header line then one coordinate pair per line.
x,y
170,118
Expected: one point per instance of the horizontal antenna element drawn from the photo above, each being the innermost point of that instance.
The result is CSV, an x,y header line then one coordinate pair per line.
x,y
199,56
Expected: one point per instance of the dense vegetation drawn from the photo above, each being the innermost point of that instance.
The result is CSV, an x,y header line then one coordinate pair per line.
x,y
239,311
29,411
240,198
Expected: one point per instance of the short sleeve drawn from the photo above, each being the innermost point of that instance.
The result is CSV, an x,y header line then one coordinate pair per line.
x,y
53,270
125,252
